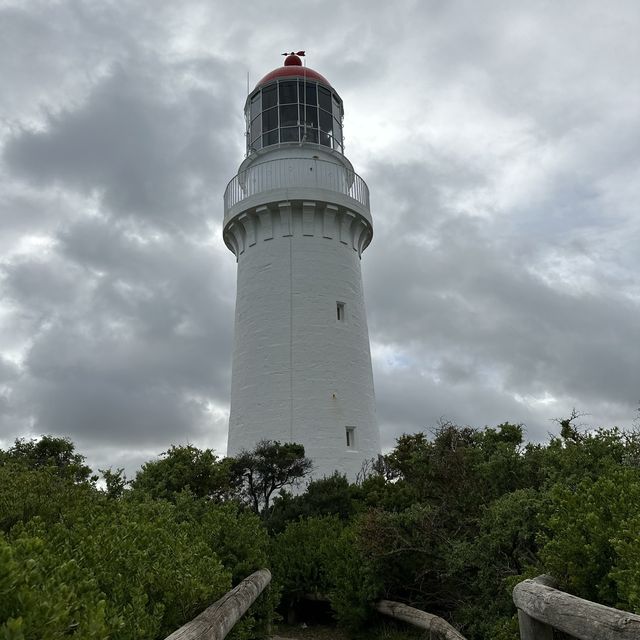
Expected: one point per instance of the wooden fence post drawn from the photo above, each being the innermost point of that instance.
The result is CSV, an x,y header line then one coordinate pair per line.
x,y
532,629
542,608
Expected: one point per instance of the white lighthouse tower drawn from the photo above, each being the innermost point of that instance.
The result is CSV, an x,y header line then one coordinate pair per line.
x,y
297,219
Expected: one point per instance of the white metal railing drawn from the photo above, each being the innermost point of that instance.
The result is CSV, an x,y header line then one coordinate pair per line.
x,y
286,173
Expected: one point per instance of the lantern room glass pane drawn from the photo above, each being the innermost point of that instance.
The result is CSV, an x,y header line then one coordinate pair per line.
x,y
269,97
311,119
255,105
257,143
289,115
326,121
308,92
311,135
288,92
289,134
270,119
337,134
337,109
270,138
325,138
256,127
324,98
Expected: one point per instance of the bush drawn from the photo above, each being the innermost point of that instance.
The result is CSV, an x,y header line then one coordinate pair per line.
x,y
154,574
302,557
46,595
26,493
127,568
587,528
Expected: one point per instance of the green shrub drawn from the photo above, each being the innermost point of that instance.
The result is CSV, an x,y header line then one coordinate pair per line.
x,y
26,493
587,529
45,594
355,585
127,568
321,556
302,556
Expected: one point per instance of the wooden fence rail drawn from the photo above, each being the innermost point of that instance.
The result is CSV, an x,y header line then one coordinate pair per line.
x,y
437,627
541,609
215,622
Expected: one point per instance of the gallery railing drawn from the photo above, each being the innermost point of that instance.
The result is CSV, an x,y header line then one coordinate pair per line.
x,y
286,173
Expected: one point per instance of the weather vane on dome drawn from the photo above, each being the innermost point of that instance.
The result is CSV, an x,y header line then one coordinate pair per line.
x,y
294,53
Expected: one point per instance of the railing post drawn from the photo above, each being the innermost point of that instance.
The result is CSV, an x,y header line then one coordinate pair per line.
x,y
532,629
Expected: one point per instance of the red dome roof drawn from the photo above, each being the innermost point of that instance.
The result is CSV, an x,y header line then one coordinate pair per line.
x,y
293,69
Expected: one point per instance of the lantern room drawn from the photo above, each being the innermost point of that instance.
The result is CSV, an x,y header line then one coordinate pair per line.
x,y
294,105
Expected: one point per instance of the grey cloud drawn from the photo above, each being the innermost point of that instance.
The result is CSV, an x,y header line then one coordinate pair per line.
x,y
503,268
8,370
446,288
137,145
40,284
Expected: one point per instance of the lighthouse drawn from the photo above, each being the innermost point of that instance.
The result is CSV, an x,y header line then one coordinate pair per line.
x,y
297,219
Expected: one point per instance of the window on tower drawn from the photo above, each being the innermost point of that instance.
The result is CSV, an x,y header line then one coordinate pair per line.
x,y
340,311
351,437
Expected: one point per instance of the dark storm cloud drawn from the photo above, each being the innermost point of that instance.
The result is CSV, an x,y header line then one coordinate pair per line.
x,y
143,335
124,328
458,298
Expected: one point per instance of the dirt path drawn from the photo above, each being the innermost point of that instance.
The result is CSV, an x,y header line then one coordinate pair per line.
x,y
286,632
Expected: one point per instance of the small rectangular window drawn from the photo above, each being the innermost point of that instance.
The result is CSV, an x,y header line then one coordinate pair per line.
x,y
351,437
340,311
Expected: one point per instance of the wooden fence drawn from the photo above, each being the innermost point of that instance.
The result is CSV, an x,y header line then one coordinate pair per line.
x,y
542,608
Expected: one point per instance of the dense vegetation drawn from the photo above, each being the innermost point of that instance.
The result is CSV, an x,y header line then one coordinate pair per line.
x,y
448,523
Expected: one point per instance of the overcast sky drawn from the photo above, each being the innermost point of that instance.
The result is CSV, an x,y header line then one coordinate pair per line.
x,y
501,144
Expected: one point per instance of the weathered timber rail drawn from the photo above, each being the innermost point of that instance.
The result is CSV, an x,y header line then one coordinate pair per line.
x,y
215,622
542,608
437,627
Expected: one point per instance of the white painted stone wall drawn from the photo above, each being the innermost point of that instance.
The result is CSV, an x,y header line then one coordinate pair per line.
x,y
300,374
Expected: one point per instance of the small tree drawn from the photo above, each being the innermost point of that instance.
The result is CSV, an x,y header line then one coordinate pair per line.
x,y
50,452
269,467
186,468
116,482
